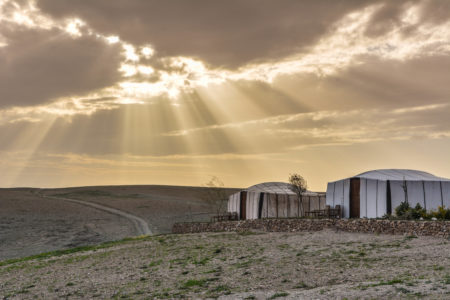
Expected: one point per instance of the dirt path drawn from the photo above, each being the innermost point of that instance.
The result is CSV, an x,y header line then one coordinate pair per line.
x,y
140,224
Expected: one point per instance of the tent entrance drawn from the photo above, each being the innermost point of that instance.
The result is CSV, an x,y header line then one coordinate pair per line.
x,y
243,206
354,197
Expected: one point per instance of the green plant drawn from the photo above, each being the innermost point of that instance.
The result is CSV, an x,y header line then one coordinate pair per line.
x,y
402,209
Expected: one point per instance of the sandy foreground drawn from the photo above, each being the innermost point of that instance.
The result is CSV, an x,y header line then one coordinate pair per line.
x,y
249,265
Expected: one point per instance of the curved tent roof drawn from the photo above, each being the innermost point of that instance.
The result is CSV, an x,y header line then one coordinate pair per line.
x,y
399,174
275,188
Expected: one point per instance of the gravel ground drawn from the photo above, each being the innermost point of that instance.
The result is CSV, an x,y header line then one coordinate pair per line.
x,y
249,265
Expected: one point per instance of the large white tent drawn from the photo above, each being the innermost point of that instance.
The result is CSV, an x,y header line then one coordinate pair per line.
x,y
273,200
375,193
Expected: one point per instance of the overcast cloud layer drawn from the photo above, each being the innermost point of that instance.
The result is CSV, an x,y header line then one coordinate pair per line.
x,y
172,91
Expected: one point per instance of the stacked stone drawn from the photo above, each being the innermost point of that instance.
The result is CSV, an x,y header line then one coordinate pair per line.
x,y
422,228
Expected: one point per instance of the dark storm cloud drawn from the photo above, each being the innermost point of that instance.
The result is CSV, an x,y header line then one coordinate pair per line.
x,y
223,33
390,15
39,65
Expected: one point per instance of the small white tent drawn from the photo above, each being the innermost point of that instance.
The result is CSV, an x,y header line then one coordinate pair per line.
x,y
273,200
375,193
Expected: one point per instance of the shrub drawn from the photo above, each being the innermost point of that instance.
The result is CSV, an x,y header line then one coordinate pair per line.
x,y
402,209
405,211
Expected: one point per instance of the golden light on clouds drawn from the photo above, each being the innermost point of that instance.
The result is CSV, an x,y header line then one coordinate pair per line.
x,y
140,108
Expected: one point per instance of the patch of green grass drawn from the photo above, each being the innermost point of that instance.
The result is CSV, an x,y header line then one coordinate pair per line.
x,y
278,295
438,268
194,282
247,263
447,279
203,261
283,246
302,285
248,232
155,263
381,283
57,253
70,284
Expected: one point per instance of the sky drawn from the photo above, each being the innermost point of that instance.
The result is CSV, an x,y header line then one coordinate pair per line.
x,y
101,92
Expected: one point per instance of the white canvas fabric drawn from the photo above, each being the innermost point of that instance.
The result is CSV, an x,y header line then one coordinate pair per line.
x,y
415,193
330,193
381,200
372,198
252,205
424,188
399,175
339,193
397,193
433,194
446,193
345,205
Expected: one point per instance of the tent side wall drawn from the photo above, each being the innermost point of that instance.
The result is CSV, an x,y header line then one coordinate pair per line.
x,y
233,203
372,198
446,193
338,193
330,193
432,195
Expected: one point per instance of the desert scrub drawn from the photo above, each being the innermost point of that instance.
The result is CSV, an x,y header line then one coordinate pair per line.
x,y
278,295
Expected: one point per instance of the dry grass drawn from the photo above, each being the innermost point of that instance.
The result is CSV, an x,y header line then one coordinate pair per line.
x,y
249,265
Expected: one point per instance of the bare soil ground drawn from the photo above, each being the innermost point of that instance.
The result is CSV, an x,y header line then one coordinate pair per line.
x,y
31,223
321,265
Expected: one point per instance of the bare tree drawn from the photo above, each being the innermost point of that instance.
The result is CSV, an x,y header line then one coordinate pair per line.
x,y
299,186
216,195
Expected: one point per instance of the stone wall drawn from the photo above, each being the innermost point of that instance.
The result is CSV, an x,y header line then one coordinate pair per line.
x,y
420,228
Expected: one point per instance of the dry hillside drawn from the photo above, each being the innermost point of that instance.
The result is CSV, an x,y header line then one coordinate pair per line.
x,y
31,222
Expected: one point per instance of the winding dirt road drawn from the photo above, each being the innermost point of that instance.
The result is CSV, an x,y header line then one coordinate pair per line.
x,y
140,224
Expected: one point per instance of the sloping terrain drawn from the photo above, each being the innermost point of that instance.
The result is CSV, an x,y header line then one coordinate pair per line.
x,y
38,220
320,265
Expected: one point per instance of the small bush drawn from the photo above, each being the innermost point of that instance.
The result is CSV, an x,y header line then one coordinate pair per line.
x,y
406,212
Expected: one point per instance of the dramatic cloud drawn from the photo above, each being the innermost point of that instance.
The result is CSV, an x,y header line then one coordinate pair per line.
x,y
177,90
222,33
41,65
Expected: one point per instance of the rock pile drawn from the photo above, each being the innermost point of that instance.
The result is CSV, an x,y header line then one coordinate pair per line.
x,y
422,228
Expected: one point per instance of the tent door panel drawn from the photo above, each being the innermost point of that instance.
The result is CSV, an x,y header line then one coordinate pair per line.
x,y
243,205
260,205
354,197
